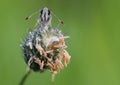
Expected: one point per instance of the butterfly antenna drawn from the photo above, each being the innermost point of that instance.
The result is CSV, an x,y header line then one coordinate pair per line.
x,y
28,17
60,21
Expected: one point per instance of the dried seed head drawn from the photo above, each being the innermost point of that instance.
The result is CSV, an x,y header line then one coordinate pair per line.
x,y
45,50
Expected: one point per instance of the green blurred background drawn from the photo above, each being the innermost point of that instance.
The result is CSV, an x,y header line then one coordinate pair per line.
x,y
94,44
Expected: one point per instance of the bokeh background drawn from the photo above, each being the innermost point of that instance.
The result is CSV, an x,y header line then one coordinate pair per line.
x,y
94,44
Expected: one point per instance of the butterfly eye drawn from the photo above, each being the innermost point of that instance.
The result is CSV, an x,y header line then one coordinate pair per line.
x,y
48,12
41,11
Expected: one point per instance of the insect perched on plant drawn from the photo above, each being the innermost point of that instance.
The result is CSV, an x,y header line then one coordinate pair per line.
x,y
44,47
